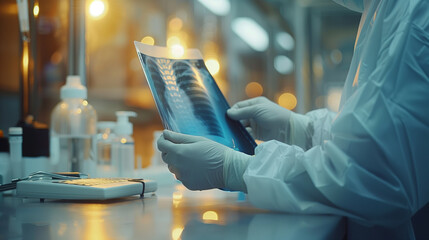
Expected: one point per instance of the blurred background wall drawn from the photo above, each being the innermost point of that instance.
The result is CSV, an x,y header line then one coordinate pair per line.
x,y
294,52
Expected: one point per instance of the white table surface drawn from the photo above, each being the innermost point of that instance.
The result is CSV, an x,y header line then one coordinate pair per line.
x,y
172,213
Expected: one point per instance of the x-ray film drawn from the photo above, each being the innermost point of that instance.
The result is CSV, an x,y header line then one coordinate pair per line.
x,y
188,98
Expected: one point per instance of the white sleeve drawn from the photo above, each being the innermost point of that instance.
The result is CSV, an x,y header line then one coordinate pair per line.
x,y
322,121
373,170
310,129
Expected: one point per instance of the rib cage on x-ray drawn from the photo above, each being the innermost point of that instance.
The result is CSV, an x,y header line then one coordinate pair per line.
x,y
160,86
165,74
188,81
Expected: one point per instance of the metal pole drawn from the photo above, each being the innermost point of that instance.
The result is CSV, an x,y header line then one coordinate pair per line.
x,y
300,28
77,40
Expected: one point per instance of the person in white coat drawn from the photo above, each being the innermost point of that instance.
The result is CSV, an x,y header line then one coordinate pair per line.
x,y
369,162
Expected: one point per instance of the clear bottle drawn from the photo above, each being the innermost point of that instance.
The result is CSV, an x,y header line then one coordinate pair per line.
x,y
123,147
105,140
73,130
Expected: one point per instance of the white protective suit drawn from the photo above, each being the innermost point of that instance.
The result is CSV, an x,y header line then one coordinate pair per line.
x,y
369,162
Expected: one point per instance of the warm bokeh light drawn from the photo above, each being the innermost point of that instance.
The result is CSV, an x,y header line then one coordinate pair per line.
x,y
334,98
336,56
254,89
213,66
173,40
287,100
25,61
85,103
95,226
148,40
175,24
97,8
176,233
56,57
25,57
36,9
105,135
177,196
210,215
123,140
177,51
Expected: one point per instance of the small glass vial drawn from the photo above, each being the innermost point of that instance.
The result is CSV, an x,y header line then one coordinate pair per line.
x,y
105,140
123,147
15,151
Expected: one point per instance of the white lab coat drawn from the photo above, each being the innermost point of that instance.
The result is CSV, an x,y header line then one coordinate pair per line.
x,y
370,162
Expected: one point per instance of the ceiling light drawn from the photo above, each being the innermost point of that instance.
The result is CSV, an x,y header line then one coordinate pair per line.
x,y
283,64
285,40
251,33
218,7
97,8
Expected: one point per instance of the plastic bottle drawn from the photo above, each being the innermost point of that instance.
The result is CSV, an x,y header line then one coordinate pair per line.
x,y
73,130
15,151
123,147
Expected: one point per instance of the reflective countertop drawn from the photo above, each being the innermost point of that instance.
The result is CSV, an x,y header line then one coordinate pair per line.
x,y
173,212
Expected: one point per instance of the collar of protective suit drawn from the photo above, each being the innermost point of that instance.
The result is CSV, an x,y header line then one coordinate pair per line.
x,y
355,5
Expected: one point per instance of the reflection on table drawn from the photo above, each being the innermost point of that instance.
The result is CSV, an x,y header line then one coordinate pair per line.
x,y
172,213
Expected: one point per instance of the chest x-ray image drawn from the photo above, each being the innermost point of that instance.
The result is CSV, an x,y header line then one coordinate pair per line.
x,y
188,98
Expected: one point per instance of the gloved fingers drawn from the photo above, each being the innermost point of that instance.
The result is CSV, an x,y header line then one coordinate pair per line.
x,y
174,171
164,145
245,122
190,184
249,102
251,132
164,157
169,159
242,113
171,169
180,138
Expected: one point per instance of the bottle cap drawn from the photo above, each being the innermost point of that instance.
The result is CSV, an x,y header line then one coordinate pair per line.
x,y
73,88
123,125
15,131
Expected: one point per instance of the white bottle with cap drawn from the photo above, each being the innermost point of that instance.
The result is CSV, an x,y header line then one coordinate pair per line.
x,y
123,147
73,130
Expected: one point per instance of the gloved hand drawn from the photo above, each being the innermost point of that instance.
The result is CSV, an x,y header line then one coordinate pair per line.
x,y
201,163
265,120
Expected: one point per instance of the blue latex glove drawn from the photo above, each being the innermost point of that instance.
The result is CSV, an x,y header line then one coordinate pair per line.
x,y
201,163
265,120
